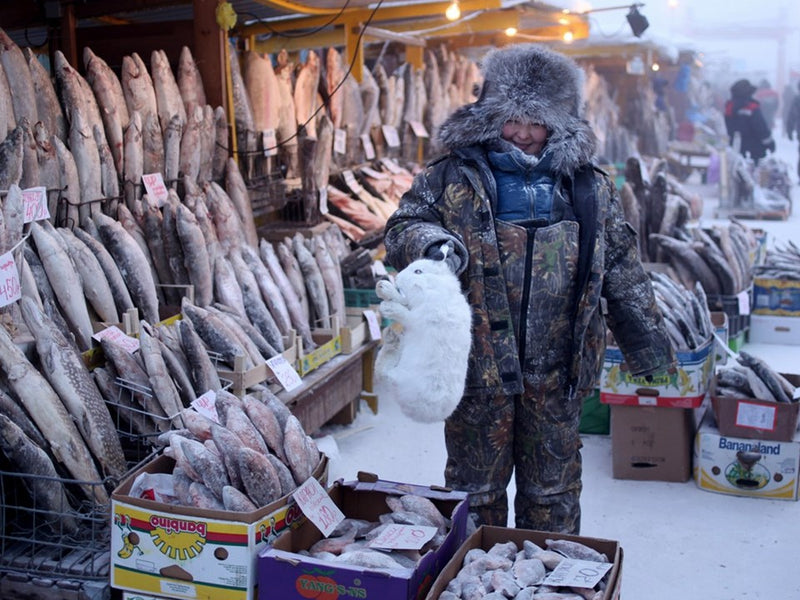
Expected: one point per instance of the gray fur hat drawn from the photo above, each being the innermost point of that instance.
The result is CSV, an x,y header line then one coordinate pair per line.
x,y
533,84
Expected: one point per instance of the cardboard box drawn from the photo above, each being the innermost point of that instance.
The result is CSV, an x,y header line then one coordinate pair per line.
x,y
745,467
685,388
652,443
486,536
766,329
187,552
282,571
776,297
753,418
328,346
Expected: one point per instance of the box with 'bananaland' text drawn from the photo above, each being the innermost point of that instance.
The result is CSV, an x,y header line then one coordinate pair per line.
x,y
745,467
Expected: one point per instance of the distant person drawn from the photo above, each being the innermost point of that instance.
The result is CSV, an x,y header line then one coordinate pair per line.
x,y
743,116
769,101
793,122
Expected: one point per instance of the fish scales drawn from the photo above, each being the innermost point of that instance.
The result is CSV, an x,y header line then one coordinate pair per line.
x,y
133,265
226,287
119,291
208,137
255,308
202,371
153,156
178,372
163,385
237,421
221,144
238,194
190,82
212,470
270,293
46,490
237,501
295,450
168,96
46,409
314,283
216,335
11,159
234,324
30,160
228,444
19,79
228,224
133,165
202,497
110,98
195,254
259,478
49,175
267,424
254,338
189,155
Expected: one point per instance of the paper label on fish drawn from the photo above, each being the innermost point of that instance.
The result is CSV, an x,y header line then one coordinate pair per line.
x,y
369,149
744,302
206,405
392,166
317,506
119,337
156,189
351,181
34,204
269,142
757,416
323,200
10,290
577,573
419,129
369,172
284,372
391,136
340,141
403,537
372,324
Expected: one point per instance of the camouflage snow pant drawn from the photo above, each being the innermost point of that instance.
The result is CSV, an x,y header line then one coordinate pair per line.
x,y
534,435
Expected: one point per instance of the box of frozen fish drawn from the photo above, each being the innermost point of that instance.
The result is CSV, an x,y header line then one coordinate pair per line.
x,y
302,563
527,563
683,387
756,418
177,551
745,467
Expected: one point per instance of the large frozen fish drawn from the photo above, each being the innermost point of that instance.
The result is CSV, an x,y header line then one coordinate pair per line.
x,y
266,423
228,224
331,273
110,98
67,209
195,255
19,79
313,281
172,149
87,160
287,121
189,161
11,159
260,480
46,409
119,291
299,450
254,306
202,371
207,465
137,87
237,192
133,166
7,121
221,144
153,157
168,96
48,107
216,335
291,270
305,94
163,385
262,89
190,83
270,293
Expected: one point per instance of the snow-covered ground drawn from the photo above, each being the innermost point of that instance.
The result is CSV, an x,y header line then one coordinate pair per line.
x,y
679,542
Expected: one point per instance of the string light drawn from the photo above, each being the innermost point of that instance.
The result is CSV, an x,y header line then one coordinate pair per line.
x,y
511,31
453,11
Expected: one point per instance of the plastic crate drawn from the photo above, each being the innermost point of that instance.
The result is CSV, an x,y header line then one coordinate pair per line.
x,y
360,298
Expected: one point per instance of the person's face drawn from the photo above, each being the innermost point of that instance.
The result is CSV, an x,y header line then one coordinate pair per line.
x,y
528,137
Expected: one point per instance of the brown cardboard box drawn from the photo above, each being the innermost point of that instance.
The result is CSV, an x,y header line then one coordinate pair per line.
x,y
652,443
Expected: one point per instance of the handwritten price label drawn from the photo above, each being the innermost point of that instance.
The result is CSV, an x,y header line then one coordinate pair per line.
x,y
284,372
403,537
116,335
743,299
317,505
369,149
270,142
577,573
391,136
756,416
154,184
34,204
10,290
323,200
340,141
206,405
372,324
419,129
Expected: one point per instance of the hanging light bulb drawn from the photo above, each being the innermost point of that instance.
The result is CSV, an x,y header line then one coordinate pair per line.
x,y
453,11
511,31
568,36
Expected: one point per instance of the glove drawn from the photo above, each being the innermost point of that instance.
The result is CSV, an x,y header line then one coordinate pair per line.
x,y
447,253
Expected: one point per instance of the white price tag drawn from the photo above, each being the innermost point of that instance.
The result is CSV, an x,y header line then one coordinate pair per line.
x,y
369,172
206,405
10,290
391,166
116,335
340,141
372,324
403,537
284,372
577,573
419,129
317,506
369,149
154,184
34,203
391,136
744,302
647,400
351,181
269,142
757,416
323,200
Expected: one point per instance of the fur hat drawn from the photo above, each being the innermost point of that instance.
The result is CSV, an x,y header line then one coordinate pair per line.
x,y
532,84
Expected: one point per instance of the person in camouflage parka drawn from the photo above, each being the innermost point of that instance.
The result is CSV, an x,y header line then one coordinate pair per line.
x,y
538,239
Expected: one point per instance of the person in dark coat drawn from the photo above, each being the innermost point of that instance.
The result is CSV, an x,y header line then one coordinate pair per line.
x,y
743,115
792,124
536,233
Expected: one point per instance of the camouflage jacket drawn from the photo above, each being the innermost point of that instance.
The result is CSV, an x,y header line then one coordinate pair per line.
x,y
454,199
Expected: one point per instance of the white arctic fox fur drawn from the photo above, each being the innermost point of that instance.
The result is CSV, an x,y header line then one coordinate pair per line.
x,y
424,366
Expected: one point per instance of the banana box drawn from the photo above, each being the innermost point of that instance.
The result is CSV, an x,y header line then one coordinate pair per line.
x,y
176,552
745,467
682,387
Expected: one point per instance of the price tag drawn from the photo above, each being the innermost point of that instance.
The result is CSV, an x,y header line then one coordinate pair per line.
x,y
419,129
756,416
351,181
369,172
391,136
403,537
323,200
10,290
391,166
154,184
116,335
372,324
577,573
269,142
744,302
647,400
34,203
369,149
339,141
284,372
317,506
206,405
